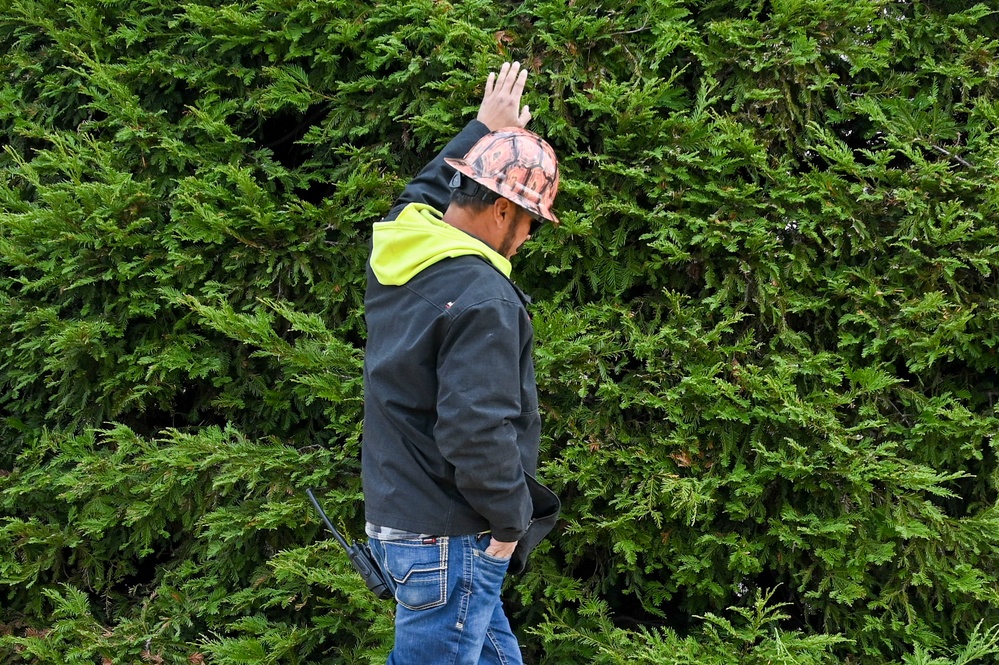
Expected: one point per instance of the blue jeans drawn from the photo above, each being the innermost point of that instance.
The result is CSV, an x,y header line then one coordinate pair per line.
x,y
448,608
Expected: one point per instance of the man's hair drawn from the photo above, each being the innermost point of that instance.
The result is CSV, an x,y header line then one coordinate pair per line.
x,y
475,204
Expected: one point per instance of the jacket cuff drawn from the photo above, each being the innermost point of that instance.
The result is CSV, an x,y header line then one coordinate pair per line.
x,y
507,535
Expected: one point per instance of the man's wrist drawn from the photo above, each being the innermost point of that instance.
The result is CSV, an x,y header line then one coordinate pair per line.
x,y
500,549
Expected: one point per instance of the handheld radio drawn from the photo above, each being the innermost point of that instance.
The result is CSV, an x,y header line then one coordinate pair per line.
x,y
359,554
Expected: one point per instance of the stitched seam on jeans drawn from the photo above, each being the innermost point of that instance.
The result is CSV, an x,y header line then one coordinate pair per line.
x,y
443,578
491,636
467,570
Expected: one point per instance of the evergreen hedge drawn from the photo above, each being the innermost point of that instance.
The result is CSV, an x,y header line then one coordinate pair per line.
x,y
767,326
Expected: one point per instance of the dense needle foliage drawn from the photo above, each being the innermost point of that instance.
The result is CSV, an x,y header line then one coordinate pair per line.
x,y
767,327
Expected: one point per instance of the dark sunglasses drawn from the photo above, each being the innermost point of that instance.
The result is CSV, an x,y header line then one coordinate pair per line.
x,y
535,224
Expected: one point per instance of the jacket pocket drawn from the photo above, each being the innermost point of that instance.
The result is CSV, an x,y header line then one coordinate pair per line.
x,y
419,570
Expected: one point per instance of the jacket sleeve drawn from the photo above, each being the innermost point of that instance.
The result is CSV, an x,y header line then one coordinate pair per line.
x,y
430,186
478,396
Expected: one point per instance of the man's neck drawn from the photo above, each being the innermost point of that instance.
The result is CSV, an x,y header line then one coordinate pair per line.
x,y
468,223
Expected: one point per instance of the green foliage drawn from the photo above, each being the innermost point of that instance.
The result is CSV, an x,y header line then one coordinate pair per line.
x,y
754,636
767,328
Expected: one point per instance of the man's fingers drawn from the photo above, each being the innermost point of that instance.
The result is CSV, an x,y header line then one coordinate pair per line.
x,y
510,81
508,77
525,116
502,76
518,85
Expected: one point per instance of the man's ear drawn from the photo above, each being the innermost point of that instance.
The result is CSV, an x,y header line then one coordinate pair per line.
x,y
503,212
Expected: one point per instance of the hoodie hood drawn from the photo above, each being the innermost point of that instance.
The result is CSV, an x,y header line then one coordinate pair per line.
x,y
417,239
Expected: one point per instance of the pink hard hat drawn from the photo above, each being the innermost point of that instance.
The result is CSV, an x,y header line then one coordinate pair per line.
x,y
518,165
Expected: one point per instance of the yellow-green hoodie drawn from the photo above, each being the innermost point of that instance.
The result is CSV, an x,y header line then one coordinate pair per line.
x,y
417,239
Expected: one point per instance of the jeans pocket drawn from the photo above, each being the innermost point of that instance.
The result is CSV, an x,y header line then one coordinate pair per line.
x,y
419,570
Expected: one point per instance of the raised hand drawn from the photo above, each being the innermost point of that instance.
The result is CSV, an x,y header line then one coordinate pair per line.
x,y
501,102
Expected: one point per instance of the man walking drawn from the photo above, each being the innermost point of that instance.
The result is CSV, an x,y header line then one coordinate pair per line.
x,y
451,422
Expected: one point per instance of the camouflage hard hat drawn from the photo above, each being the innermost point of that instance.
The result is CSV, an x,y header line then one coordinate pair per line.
x,y
518,165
